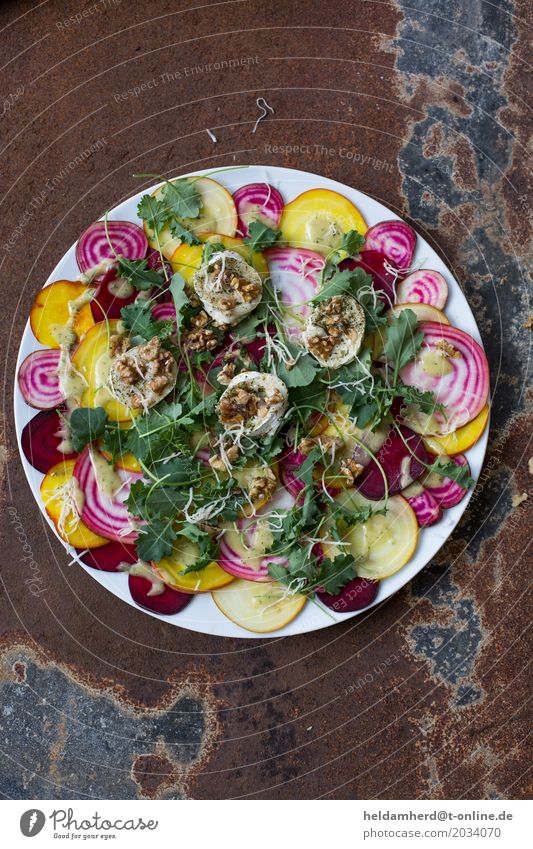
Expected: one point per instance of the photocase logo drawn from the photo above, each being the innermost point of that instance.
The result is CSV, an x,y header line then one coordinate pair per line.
x,y
32,822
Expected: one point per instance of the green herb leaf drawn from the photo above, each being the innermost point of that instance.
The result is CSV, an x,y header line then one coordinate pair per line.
x,y
261,237
352,242
402,340
86,424
138,320
211,248
181,232
179,296
154,212
448,469
155,540
182,199
140,277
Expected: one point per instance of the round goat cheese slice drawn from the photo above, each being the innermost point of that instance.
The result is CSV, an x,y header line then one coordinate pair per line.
x,y
334,331
228,287
253,404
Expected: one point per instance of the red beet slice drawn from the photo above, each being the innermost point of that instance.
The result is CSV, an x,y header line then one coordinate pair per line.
x,y
105,304
395,458
109,557
258,202
384,273
40,441
356,595
168,602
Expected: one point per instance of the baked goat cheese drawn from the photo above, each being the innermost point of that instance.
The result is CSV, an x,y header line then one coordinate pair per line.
x,y
334,331
254,404
142,376
228,287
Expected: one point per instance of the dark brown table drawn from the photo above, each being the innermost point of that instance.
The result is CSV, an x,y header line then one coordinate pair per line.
x,y
422,105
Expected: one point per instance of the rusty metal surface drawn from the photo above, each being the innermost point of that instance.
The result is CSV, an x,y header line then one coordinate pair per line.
x,y
422,105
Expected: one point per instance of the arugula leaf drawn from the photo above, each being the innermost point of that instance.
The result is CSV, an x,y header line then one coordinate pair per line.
x,y
177,290
155,540
448,469
154,212
139,321
86,424
423,399
140,277
261,237
182,199
339,284
182,233
402,340
304,370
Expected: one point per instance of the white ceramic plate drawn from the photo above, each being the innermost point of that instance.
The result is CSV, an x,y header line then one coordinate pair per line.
x,y
202,614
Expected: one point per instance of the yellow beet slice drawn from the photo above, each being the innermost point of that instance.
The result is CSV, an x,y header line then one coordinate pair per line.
x,y
258,607
51,309
92,361
59,494
383,544
217,215
185,554
461,439
317,220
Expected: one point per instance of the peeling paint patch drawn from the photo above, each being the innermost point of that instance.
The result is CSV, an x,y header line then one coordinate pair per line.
x,y
452,648
62,740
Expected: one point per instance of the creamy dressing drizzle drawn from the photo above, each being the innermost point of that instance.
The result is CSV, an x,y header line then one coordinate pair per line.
x,y
121,288
107,479
143,569
88,276
322,229
72,383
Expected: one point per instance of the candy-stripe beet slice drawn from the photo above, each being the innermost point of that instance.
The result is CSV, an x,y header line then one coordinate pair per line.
x,y
110,240
38,379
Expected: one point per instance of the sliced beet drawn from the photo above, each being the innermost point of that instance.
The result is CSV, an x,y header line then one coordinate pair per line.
x,y
38,379
384,273
167,603
427,509
395,459
107,240
356,595
105,303
395,239
41,439
109,557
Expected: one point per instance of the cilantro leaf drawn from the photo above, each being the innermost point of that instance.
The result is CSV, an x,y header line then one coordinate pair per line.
x,y
86,424
153,212
352,242
182,233
339,284
335,574
182,199
155,540
140,277
402,340
261,236
139,321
